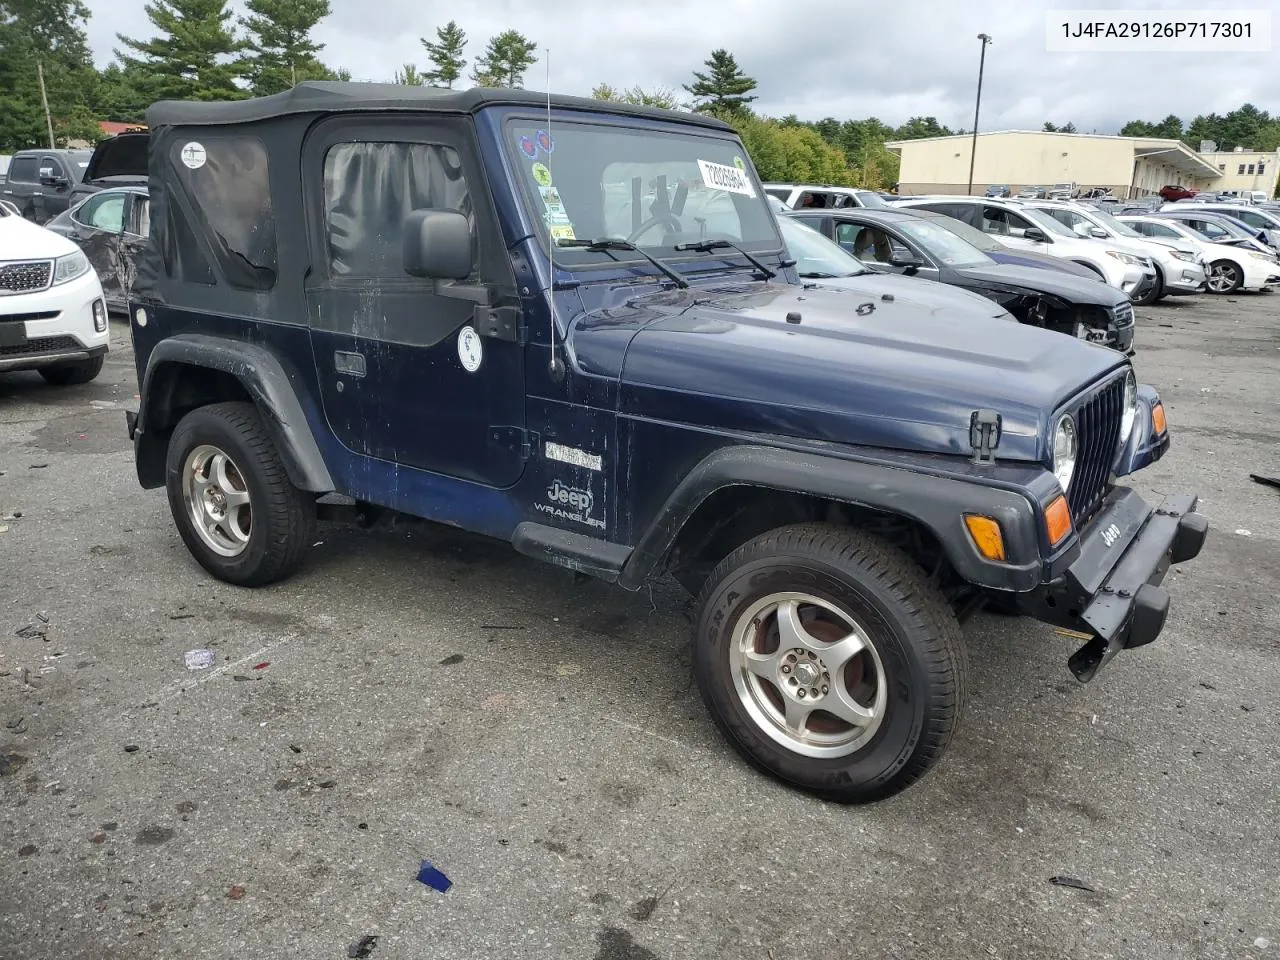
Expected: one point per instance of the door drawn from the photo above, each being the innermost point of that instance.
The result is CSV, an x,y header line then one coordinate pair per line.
x,y
23,183
403,373
883,250
96,226
137,227
56,181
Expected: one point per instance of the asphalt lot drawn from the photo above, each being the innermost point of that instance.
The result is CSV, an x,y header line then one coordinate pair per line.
x,y
431,695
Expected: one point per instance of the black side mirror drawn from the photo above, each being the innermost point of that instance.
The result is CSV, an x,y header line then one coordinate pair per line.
x,y
437,245
1035,234
906,259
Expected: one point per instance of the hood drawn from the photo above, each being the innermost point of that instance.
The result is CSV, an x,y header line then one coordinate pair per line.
x,y
1077,290
1042,261
123,156
926,294
22,240
856,369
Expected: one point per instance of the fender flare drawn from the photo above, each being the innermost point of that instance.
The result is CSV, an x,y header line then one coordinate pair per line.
x,y
936,502
263,377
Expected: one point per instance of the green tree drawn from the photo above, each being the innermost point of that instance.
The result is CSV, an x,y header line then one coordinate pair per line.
x,y
1169,128
723,87
505,60
662,97
446,55
191,57
50,34
122,93
408,76
917,128
281,52
788,152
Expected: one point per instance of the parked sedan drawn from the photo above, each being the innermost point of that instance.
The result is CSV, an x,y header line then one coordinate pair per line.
x,y
1217,227
998,252
111,227
898,241
1265,222
1232,267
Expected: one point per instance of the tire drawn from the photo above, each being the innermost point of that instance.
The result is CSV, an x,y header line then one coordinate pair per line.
x,y
1157,292
1224,277
70,374
222,467
908,680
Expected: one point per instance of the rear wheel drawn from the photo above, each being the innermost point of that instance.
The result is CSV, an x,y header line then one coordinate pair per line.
x,y
70,374
829,661
231,498
1224,277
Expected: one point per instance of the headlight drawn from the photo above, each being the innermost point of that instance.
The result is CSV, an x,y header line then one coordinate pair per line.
x,y
1130,407
1184,255
1126,258
1064,451
66,269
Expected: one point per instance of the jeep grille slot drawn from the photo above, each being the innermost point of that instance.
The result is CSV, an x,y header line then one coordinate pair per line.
x,y
1098,425
25,277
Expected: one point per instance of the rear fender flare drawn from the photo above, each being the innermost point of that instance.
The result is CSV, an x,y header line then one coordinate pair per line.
x,y
263,378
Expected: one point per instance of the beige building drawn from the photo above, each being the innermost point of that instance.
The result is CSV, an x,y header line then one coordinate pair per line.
x,y
1242,170
1128,166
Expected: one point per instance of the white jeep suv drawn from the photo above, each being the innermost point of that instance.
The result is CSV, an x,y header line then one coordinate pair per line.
x,y
52,314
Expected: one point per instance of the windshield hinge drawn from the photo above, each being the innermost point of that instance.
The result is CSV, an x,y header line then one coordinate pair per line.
x,y
984,435
524,442
500,323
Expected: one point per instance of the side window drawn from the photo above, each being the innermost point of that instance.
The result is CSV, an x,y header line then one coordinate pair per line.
x,y
103,213
1160,230
846,234
370,187
1001,222
1143,228
50,167
1065,217
24,170
227,179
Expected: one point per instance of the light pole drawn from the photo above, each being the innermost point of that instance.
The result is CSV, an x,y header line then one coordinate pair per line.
x,y
982,59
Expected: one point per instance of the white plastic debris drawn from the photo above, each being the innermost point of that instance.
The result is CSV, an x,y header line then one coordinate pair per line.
x,y
1262,943
1244,533
199,659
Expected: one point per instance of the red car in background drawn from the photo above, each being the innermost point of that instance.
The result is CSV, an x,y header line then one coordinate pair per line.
x,y
1173,192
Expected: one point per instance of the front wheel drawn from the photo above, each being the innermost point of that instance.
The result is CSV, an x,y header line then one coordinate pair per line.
x,y
829,661
231,498
75,372
1224,277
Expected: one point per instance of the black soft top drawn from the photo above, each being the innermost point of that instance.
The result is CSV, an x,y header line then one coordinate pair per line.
x,y
323,96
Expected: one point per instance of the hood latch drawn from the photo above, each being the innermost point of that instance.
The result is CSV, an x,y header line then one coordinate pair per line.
x,y
984,435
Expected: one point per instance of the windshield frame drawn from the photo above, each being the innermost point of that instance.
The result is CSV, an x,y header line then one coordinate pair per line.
x,y
575,259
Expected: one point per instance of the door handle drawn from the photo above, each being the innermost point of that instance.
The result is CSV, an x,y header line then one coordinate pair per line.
x,y
352,364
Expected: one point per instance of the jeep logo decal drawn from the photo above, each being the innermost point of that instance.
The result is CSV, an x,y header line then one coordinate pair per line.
x,y
575,499
1111,535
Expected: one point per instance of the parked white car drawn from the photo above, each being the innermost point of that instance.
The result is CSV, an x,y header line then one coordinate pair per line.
x,y
1179,268
1231,267
798,196
53,317
1020,227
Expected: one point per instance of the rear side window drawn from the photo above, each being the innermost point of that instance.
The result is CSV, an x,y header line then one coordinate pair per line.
x,y
227,179
23,170
103,212
369,189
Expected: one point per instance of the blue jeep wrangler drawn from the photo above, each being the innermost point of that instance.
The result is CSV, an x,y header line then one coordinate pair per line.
x,y
574,326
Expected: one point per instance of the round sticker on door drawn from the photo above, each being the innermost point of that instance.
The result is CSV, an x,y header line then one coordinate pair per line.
x,y
193,155
470,349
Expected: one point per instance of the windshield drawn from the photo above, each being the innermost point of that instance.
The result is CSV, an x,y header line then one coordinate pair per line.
x,y
943,245
654,187
872,201
1047,223
1232,227
1107,220
817,258
970,235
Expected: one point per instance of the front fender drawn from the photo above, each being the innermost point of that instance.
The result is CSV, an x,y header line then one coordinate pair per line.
x,y
1146,445
263,378
937,502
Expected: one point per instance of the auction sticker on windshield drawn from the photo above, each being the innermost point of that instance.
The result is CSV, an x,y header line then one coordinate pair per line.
x,y
721,176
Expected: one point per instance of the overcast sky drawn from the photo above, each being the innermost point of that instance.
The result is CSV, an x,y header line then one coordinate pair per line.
x,y
813,58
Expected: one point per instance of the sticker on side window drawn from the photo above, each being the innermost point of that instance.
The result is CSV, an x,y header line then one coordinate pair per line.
x,y
193,155
722,176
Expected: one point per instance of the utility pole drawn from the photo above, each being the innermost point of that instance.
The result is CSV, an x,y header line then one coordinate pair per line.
x,y
44,97
982,59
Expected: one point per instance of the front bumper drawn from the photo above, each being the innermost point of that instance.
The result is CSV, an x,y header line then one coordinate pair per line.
x,y
53,325
1111,593
1182,278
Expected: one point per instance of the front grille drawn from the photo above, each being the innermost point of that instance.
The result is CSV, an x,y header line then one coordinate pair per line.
x,y
1123,314
1098,420
25,277
41,345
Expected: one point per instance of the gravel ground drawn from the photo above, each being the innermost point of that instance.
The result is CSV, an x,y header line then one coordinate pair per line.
x,y
416,693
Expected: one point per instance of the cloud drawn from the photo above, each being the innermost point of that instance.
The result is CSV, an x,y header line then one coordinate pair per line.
x,y
813,58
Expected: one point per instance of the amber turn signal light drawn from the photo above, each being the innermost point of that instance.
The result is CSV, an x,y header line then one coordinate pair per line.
x,y
1157,418
1057,520
986,536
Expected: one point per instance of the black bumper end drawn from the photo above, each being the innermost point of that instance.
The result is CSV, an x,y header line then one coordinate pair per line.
x,y
1113,591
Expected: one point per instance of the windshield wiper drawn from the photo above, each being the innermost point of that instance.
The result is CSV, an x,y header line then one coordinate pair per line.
x,y
706,246
606,244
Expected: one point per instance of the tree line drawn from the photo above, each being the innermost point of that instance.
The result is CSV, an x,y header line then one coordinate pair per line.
x,y
1246,126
